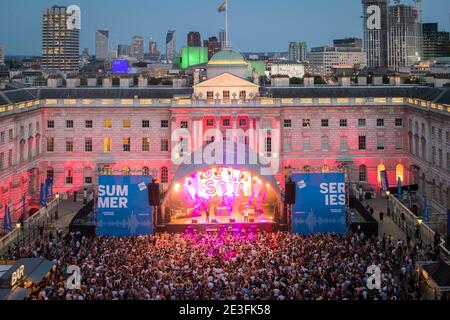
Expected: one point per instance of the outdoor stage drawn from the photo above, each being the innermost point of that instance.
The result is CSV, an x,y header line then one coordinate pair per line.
x,y
269,227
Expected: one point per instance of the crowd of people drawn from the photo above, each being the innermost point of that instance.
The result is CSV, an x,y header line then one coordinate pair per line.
x,y
243,266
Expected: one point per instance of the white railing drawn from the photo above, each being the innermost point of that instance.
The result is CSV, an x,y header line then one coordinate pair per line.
x,y
410,222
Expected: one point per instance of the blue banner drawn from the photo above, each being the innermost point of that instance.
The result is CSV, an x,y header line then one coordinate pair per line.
x,y
384,180
7,225
320,205
48,187
123,206
43,195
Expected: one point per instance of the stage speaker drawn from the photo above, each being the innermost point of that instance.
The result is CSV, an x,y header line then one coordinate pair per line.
x,y
194,221
232,220
252,220
290,193
153,194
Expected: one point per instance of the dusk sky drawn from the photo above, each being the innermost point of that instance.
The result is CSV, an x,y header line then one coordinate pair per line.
x,y
255,25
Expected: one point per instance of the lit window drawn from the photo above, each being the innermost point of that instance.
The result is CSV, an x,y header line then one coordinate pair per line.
x,y
399,172
164,175
306,123
145,144
126,124
380,169
127,144
50,144
107,144
107,124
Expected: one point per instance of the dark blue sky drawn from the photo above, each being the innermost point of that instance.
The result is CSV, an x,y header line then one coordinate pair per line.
x,y
255,25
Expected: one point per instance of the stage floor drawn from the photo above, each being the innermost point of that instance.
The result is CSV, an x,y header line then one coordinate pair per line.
x,y
238,218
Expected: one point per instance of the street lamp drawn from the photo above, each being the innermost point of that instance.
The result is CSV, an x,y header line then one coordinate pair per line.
x,y
388,194
57,206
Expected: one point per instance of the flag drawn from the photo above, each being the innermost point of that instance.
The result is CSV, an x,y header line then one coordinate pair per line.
x,y
48,187
399,189
43,196
426,215
7,226
223,7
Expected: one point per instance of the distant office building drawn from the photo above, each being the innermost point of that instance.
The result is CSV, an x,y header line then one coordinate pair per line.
x,y
60,42
101,44
213,45
152,47
291,69
324,59
435,43
123,51
297,51
353,43
194,39
137,48
2,54
405,36
376,37
223,38
170,46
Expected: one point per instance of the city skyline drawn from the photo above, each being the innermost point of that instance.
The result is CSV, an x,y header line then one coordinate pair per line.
x,y
203,17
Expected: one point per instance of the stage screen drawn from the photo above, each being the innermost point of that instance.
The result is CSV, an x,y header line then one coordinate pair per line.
x,y
320,203
123,206
120,66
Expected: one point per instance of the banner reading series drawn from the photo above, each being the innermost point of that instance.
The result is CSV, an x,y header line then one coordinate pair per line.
x,y
320,203
123,206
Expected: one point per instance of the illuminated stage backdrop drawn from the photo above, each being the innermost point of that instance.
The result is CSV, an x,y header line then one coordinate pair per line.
x,y
320,203
123,206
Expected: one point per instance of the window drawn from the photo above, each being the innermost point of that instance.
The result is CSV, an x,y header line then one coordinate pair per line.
x,y
307,169
107,124
399,143
107,145
50,173
88,124
30,149
126,123
145,171
410,124
2,161
69,145
399,172
380,123
325,144
22,132
164,175
362,173
325,168
226,122
343,143
38,127
210,123
380,143
30,130
268,146
69,176
243,95
440,158
50,144
361,123
242,122
145,144
287,144
362,142
164,124
88,144
287,123
440,135
325,123
2,137
433,131
145,124
184,125
50,124
164,145
69,124
87,176
10,158
343,123
433,155
380,169
399,122
306,123
126,171
210,95
306,144
127,144
226,95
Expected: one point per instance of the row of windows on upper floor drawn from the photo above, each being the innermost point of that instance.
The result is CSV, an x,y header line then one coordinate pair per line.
x,y
107,124
343,123
21,132
435,132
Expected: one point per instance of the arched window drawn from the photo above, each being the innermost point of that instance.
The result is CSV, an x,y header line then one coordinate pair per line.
x,y
164,175
380,168
145,171
362,173
399,172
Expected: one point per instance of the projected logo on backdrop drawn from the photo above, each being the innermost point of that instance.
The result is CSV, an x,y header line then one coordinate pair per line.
x,y
320,203
123,206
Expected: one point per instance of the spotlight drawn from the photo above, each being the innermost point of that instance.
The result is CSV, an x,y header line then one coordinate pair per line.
x,y
176,188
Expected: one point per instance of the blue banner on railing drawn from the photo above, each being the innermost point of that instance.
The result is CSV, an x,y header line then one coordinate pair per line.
x,y
320,205
123,206
384,180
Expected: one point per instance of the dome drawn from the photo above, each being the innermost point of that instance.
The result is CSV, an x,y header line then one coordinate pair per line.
x,y
227,57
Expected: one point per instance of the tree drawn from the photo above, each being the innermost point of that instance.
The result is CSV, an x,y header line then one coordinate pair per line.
x,y
295,80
